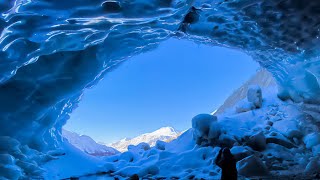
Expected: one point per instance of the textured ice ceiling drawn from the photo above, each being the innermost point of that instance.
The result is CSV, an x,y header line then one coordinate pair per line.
x,y
51,50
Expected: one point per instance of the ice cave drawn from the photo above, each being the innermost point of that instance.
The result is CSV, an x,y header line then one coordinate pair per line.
x,y
52,50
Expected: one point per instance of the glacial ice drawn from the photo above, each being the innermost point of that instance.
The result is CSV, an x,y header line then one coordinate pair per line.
x,y
51,51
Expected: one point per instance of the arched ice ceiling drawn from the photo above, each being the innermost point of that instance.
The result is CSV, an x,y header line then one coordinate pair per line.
x,y
51,50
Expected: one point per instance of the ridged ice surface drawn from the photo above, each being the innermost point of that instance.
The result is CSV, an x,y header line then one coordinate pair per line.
x,y
51,50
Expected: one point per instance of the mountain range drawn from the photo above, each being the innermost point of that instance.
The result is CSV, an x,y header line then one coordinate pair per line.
x,y
89,146
166,134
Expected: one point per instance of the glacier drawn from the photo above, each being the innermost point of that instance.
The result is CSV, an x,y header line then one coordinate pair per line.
x,y
51,51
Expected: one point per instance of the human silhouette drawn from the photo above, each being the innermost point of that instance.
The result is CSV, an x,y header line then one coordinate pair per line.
x,y
226,161
134,177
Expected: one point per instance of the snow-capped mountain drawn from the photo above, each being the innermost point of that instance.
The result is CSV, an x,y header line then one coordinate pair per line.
x,y
166,134
87,144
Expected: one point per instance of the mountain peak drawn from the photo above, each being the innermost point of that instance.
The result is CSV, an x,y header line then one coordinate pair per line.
x,y
165,130
87,144
164,134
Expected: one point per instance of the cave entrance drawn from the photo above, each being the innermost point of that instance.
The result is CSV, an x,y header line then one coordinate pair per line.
x,y
162,88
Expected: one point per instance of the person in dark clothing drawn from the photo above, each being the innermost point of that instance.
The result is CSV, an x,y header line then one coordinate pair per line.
x,y
134,177
226,161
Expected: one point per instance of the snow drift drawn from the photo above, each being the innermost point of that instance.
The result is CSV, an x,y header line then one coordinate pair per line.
x,y
51,51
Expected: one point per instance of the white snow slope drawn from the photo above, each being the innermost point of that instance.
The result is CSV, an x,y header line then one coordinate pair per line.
x,y
87,144
263,78
166,134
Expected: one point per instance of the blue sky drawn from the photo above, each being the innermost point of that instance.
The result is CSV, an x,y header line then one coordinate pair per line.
x,y
164,87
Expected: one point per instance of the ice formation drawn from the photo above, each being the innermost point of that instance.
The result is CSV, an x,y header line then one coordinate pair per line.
x,y
51,51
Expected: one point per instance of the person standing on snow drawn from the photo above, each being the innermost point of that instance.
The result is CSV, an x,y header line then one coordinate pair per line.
x,y
226,161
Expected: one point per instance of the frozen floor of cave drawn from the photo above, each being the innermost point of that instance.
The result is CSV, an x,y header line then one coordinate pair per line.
x,y
276,140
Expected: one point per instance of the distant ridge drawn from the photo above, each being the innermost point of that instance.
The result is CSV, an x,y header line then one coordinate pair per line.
x,y
87,144
166,134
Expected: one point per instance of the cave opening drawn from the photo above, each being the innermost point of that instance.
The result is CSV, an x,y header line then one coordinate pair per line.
x,y
162,88
52,51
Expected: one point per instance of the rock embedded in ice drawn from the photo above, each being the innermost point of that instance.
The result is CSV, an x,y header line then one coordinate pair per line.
x,y
311,140
257,141
252,166
254,95
288,127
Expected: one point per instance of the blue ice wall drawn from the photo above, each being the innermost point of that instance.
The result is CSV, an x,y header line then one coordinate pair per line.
x,y
52,50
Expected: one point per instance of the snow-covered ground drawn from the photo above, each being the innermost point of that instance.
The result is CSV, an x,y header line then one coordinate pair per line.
x,y
166,134
87,144
268,137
